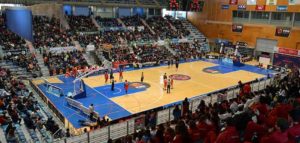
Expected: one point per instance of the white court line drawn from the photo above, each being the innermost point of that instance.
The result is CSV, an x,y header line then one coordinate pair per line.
x,y
76,112
101,93
223,75
119,90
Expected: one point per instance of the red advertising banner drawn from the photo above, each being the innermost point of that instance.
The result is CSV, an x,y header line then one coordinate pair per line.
x,y
260,7
288,51
233,2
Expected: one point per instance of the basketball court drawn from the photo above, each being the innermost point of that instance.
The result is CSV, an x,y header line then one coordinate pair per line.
x,y
192,79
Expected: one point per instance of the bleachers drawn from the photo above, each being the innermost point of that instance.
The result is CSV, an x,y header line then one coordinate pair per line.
x,y
48,33
81,24
162,28
150,54
185,51
181,29
21,116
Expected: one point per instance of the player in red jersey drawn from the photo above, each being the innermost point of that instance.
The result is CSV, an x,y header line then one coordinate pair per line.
x,y
74,71
172,82
106,77
126,86
120,75
165,83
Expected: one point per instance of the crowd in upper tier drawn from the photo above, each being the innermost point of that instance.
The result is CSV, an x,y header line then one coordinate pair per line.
x,y
61,63
15,49
48,33
162,28
81,24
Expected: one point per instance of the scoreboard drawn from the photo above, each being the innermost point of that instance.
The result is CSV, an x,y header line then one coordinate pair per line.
x,y
186,5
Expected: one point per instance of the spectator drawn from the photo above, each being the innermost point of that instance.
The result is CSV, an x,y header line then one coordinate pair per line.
x,y
294,131
230,134
176,113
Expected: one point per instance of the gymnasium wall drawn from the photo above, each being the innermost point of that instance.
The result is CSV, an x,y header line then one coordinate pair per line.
x,y
215,22
47,9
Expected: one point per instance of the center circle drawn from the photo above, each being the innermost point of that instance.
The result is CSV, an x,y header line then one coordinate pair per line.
x,y
179,77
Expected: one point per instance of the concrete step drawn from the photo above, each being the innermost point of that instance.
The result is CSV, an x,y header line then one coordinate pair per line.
x,y
146,24
95,23
44,69
121,22
2,136
170,49
25,132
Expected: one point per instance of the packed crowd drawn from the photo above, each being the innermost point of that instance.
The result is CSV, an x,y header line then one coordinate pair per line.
x,y
122,54
185,51
61,63
179,26
81,24
112,37
9,40
149,53
24,60
86,39
268,116
48,33
137,31
107,22
15,49
18,106
132,21
140,35
162,28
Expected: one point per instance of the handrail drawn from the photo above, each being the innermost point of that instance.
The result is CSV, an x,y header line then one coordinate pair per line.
x,y
57,131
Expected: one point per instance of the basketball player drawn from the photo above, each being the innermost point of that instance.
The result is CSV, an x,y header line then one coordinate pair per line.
x,y
120,75
113,85
165,84
172,62
177,65
165,76
126,86
142,77
169,86
74,71
168,61
172,82
111,75
106,77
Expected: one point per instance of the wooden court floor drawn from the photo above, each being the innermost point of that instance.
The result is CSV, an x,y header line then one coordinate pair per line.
x,y
199,84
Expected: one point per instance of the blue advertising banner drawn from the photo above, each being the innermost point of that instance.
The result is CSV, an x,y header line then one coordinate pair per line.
x,y
123,12
67,9
225,6
282,8
19,21
82,11
138,11
290,61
